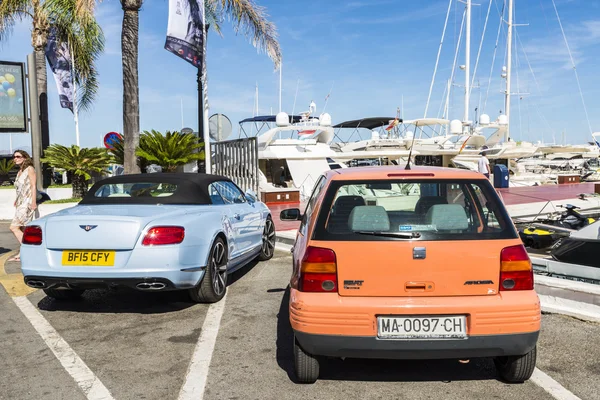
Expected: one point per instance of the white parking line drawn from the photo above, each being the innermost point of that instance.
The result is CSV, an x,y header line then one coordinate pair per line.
x,y
195,380
558,391
83,376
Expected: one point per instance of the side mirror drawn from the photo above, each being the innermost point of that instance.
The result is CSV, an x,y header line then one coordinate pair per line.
x,y
251,196
291,214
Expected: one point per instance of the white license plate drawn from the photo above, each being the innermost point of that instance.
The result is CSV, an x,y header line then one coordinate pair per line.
x,y
433,327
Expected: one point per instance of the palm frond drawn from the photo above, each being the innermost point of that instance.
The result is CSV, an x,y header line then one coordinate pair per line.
x,y
11,12
169,150
251,20
118,152
212,17
6,166
79,161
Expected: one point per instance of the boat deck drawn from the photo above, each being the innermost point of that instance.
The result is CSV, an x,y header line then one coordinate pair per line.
x,y
532,194
511,196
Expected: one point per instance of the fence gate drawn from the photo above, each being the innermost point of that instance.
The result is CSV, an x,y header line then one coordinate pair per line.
x,y
238,160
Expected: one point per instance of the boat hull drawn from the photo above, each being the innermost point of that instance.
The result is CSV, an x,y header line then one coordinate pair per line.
x,y
577,251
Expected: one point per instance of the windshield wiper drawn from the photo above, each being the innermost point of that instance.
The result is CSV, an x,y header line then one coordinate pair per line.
x,y
400,235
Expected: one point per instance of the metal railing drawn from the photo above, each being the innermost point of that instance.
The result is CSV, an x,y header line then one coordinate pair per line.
x,y
238,160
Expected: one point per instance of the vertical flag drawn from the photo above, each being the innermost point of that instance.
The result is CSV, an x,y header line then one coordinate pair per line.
x,y
464,145
393,124
59,60
185,30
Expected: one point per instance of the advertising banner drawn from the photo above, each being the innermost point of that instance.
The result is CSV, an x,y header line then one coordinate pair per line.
x,y
59,60
13,111
185,31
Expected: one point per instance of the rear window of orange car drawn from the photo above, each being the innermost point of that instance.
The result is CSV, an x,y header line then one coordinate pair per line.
x,y
425,210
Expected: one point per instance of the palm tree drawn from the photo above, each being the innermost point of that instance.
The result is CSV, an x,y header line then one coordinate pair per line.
x,y
248,17
131,95
170,150
6,167
74,23
79,163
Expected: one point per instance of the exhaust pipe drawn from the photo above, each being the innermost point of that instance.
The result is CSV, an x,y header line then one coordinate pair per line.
x,y
36,284
150,286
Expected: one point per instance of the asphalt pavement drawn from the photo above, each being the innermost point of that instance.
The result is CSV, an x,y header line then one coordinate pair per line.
x,y
139,346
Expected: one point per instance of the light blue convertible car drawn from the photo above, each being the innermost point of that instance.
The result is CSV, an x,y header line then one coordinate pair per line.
x,y
150,232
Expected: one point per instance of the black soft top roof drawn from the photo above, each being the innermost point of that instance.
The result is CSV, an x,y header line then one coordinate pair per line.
x,y
192,188
368,123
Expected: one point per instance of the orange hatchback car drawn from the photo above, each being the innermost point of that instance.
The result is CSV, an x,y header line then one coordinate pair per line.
x,y
410,264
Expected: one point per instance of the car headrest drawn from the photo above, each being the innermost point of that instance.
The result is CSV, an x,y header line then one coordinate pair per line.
x,y
448,217
426,202
348,201
369,218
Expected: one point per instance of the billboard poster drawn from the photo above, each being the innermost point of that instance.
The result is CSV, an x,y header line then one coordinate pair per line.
x,y
185,30
13,115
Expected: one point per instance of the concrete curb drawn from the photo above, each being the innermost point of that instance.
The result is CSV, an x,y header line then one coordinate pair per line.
x,y
557,305
284,240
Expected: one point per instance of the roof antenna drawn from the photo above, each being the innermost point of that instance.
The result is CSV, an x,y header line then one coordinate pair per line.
x,y
412,145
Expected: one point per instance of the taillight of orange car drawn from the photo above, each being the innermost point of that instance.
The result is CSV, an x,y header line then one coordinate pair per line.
x,y
318,272
516,272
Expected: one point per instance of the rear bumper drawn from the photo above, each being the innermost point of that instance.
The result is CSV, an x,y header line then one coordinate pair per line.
x,y
329,314
144,283
372,347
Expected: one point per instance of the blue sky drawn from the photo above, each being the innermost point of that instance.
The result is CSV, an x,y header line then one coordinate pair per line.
x,y
376,54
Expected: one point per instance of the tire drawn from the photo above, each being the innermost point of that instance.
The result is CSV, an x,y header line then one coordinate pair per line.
x,y
516,369
64,294
268,240
306,365
213,285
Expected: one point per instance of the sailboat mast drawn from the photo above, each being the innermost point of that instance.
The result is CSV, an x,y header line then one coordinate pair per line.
x,y
508,68
467,61
280,68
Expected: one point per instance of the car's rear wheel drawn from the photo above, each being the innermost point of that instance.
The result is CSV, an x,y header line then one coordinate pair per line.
x,y
307,365
268,240
515,369
64,293
213,286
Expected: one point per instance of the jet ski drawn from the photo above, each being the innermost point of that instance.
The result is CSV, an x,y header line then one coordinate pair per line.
x,y
541,238
581,247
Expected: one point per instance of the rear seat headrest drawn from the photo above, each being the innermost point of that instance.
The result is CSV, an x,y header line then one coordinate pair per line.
x,y
448,217
369,218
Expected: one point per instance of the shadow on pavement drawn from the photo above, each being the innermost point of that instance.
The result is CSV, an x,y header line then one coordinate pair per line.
x,y
121,301
285,337
377,369
125,300
240,273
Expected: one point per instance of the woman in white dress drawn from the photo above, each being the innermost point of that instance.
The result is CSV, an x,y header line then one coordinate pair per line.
x,y
25,204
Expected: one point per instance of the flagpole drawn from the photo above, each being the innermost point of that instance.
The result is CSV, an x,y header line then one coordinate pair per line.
x,y
327,99
75,111
280,68
203,100
295,96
